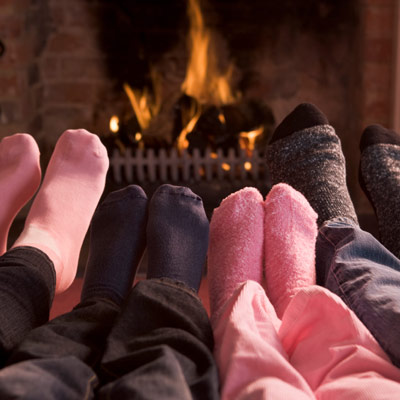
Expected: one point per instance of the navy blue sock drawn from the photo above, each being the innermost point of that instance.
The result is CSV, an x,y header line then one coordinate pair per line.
x,y
117,242
177,235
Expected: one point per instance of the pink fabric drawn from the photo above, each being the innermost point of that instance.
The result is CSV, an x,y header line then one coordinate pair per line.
x,y
290,231
236,246
320,350
19,178
61,212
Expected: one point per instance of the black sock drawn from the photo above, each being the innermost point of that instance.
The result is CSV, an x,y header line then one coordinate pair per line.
x,y
306,153
177,235
117,242
379,175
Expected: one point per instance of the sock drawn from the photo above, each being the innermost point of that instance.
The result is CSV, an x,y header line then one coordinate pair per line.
x,y
117,242
177,236
311,161
290,232
236,245
379,175
19,178
61,212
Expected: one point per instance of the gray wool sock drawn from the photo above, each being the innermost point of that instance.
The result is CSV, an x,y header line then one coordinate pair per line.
x,y
380,173
177,235
311,161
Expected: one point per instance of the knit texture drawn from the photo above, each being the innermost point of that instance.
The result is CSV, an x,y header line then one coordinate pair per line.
x,y
380,174
19,178
177,236
312,162
64,205
236,247
290,232
117,242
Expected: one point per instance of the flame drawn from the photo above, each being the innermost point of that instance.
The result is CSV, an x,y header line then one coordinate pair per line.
x,y
248,139
114,124
247,166
204,81
138,136
225,166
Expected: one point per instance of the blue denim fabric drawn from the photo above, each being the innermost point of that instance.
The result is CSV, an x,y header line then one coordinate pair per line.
x,y
365,275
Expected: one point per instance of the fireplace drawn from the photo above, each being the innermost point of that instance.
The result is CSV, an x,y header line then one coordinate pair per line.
x,y
64,63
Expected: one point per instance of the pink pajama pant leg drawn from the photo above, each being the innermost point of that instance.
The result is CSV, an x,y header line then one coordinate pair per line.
x,y
334,351
251,359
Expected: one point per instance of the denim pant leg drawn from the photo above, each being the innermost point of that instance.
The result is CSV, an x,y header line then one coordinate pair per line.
x,y
366,276
27,285
58,360
160,347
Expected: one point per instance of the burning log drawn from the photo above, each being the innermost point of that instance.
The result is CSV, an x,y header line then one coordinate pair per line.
x,y
224,126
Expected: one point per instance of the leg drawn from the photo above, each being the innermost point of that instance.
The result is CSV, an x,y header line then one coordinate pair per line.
x,y
290,231
19,178
161,345
78,338
355,266
380,179
27,284
236,246
61,212
334,352
305,153
250,357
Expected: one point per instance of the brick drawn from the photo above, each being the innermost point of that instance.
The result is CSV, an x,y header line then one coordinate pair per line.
x,y
377,76
70,93
379,50
49,68
76,42
10,27
379,22
9,85
83,68
65,42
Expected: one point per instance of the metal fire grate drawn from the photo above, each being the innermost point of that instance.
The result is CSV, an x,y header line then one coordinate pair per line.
x,y
146,166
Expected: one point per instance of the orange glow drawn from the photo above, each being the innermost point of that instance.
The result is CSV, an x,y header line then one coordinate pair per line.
x,y
138,136
247,166
225,167
203,79
247,139
114,124
214,155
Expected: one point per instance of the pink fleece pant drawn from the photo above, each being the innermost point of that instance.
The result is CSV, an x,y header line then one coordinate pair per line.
x,y
319,350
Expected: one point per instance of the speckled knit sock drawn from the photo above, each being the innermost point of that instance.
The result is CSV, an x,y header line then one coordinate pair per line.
x,y
379,175
310,159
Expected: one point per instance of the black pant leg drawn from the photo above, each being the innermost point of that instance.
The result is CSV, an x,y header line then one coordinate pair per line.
x,y
58,360
27,285
160,347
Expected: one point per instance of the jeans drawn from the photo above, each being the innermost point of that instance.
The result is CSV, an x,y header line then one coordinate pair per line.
x,y
160,346
355,266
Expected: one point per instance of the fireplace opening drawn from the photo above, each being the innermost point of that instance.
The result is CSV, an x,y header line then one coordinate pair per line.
x,y
77,63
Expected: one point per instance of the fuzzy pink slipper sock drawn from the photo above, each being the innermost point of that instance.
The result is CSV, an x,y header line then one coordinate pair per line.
x,y
19,178
235,251
62,210
290,232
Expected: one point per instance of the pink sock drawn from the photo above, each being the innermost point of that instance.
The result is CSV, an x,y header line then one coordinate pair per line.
x,y
290,234
19,178
236,245
62,210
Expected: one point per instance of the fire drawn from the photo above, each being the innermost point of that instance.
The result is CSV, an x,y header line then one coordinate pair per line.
x,y
248,139
247,166
114,124
204,81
